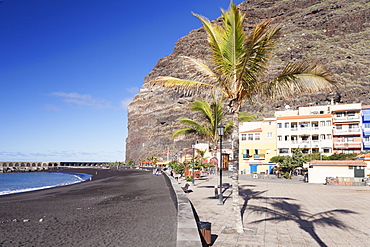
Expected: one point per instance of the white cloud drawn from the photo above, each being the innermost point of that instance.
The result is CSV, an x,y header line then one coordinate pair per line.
x,y
49,107
76,99
134,90
126,102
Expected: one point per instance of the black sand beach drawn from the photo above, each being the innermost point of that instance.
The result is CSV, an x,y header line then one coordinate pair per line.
x,y
116,208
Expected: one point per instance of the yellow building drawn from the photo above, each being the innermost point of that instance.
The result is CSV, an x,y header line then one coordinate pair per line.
x,y
257,145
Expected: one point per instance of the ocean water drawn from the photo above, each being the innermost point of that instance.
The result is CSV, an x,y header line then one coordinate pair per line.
x,y
18,182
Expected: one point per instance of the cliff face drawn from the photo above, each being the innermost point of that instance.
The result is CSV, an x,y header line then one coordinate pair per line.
x,y
335,32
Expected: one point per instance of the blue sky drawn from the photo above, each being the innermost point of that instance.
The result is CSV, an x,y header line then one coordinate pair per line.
x,y
69,68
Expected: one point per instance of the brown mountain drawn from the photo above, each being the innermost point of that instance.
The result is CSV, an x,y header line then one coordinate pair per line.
x,y
335,32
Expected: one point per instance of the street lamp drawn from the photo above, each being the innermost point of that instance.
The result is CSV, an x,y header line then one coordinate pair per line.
x,y
193,147
221,130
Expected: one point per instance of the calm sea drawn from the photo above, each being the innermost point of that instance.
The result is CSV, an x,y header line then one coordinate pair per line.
x,y
11,183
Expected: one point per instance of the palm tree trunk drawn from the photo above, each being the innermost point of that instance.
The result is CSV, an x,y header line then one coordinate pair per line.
x,y
235,146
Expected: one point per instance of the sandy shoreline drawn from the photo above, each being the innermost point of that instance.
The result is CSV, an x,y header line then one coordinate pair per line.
x,y
116,208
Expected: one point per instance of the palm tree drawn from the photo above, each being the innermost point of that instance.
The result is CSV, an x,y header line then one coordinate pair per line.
x,y
212,116
239,68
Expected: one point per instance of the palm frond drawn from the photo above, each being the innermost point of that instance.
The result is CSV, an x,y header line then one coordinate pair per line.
x,y
173,82
296,78
204,108
259,44
245,117
184,131
201,67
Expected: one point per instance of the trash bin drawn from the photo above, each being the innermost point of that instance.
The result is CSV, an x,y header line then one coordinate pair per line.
x,y
205,230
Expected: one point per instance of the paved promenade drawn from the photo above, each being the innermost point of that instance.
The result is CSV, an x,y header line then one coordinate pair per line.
x,y
280,212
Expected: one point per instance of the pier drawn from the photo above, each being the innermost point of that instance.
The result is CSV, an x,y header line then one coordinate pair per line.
x,y
43,166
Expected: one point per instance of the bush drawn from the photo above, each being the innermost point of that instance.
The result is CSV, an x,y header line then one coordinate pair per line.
x,y
189,178
287,175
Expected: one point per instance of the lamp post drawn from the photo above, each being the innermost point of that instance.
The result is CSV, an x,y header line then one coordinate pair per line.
x,y
193,147
180,155
220,130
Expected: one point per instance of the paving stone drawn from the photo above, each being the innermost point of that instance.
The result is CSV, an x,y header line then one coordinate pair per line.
x,y
286,212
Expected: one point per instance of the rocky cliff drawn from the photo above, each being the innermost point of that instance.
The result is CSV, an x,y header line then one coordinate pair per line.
x,y
335,32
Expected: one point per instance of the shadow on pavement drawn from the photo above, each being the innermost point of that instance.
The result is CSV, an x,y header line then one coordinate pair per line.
x,y
282,209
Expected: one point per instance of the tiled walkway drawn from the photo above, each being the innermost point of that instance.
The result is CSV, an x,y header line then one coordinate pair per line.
x,y
280,212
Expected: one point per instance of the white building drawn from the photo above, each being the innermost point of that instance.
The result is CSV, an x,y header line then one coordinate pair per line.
x,y
308,128
319,170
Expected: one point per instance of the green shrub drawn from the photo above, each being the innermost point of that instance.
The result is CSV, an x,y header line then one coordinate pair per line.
x,y
189,178
287,175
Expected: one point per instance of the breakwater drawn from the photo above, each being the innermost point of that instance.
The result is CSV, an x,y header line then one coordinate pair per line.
x,y
42,166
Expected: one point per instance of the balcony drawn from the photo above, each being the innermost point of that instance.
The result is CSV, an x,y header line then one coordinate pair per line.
x,y
366,145
347,131
366,131
347,118
259,156
246,156
347,145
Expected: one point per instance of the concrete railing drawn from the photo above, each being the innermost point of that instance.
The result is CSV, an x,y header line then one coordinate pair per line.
x,y
187,228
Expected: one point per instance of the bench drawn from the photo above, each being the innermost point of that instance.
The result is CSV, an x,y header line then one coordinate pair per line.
x,y
186,188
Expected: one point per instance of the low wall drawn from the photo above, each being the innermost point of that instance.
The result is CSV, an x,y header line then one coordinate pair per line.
x,y
187,229
346,181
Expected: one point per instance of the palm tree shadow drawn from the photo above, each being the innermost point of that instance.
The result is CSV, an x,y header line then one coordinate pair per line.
x,y
282,210
248,194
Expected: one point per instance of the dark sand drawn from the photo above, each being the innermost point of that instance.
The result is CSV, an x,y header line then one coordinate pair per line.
x,y
116,208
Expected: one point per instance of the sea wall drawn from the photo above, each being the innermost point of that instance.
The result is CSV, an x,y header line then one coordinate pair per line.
x,y
25,166
187,228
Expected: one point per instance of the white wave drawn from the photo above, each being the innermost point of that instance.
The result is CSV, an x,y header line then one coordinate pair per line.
x,y
7,192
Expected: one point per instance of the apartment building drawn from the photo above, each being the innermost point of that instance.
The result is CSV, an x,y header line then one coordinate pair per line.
x,y
308,128
347,136
366,128
257,146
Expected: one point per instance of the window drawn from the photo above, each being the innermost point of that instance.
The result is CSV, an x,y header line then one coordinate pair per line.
x,y
322,123
322,137
367,125
348,139
283,150
256,151
244,137
286,138
250,137
269,134
338,114
246,154
339,126
257,136
315,138
280,138
280,125
327,150
351,114
328,136
286,125
366,139
270,123
353,126
328,123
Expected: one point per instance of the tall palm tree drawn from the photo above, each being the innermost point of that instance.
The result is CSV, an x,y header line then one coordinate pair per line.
x,y
239,69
